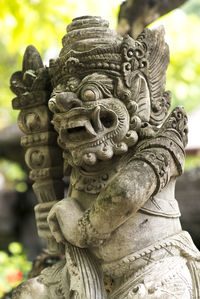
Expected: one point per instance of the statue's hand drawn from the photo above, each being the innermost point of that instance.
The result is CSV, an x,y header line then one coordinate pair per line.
x,y
41,213
63,222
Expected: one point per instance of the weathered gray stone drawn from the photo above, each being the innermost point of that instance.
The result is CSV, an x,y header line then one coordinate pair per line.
x,y
119,223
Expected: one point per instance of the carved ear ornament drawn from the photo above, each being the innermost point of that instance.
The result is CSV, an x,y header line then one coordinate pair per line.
x,y
157,54
133,58
177,122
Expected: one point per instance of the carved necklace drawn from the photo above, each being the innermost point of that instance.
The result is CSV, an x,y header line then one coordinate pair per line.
x,y
91,182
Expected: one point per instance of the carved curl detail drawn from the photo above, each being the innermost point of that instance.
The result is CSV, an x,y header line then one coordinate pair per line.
x,y
133,58
34,120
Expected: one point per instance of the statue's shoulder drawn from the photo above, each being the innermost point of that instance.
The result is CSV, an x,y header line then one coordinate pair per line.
x,y
162,148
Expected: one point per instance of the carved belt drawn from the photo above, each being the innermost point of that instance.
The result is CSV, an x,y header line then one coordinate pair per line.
x,y
139,273
180,244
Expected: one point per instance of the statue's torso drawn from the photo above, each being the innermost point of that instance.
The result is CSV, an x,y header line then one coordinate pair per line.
x,y
145,228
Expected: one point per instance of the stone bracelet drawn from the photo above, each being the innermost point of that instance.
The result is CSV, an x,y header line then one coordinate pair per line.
x,y
91,235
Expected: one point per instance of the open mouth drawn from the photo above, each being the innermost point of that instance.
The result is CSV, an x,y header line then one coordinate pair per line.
x,y
77,134
79,129
86,126
76,130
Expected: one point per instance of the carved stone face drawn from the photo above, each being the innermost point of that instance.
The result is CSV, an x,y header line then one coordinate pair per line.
x,y
92,124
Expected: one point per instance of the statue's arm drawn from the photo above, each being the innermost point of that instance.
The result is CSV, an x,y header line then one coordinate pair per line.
x,y
146,173
121,198
126,193
156,161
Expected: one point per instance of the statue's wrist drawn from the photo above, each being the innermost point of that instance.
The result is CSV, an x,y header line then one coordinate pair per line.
x,y
89,232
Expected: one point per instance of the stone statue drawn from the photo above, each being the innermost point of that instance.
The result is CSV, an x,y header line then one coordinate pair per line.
x,y
99,114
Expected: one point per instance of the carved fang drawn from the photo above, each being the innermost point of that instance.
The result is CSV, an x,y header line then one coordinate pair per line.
x,y
96,119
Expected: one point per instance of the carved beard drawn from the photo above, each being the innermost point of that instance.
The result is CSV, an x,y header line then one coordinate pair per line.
x,y
95,132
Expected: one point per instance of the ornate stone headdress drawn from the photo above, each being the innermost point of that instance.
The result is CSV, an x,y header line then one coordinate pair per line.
x,y
90,46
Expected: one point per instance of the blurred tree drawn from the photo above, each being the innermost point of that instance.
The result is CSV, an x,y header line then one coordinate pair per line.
x,y
135,15
183,75
192,7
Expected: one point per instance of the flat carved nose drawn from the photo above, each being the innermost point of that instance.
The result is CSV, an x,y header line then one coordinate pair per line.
x,y
67,100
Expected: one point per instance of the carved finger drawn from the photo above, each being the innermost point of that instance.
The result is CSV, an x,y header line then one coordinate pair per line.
x,y
41,213
54,227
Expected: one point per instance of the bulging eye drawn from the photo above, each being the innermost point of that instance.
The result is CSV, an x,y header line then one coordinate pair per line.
x,y
90,93
52,105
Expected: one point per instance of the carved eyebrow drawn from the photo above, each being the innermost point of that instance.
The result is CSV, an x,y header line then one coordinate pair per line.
x,y
54,93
